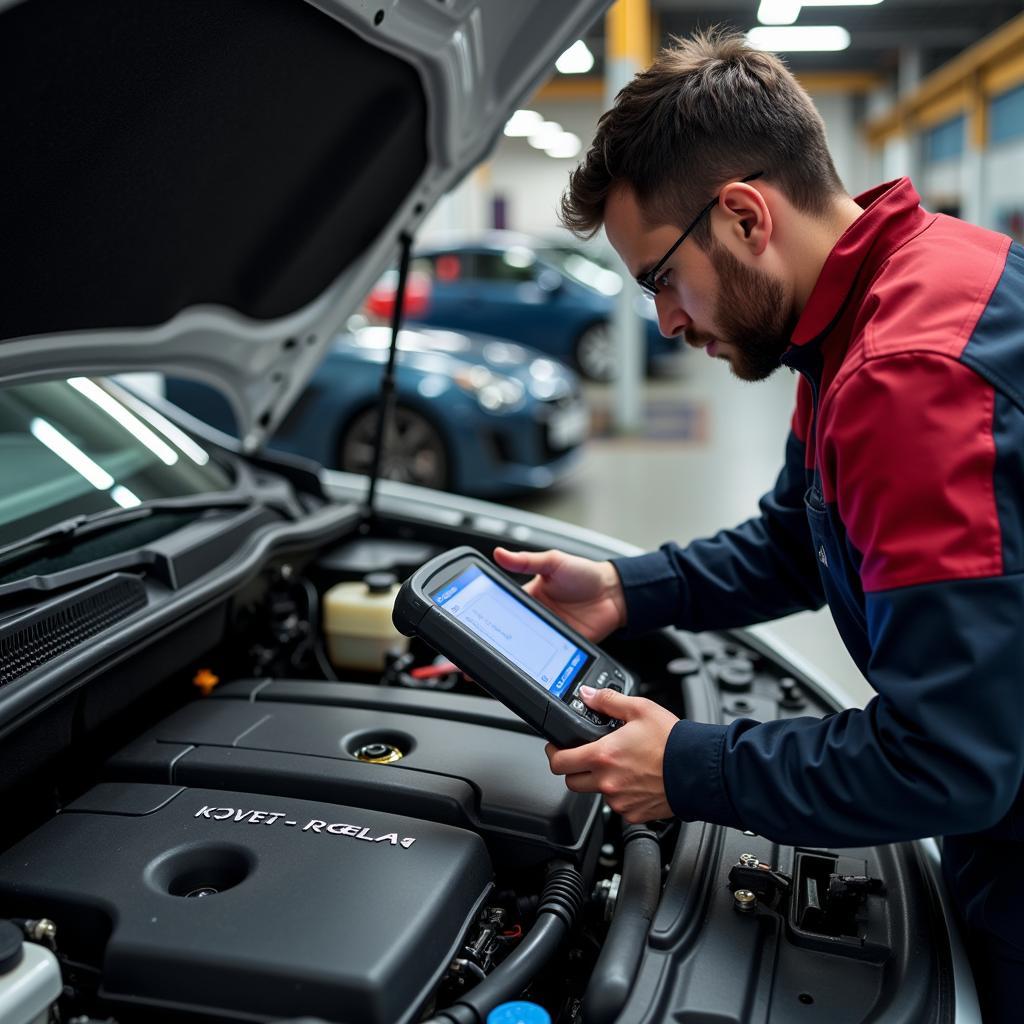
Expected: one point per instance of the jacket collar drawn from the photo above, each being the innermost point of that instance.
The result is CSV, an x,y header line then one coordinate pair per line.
x,y
892,216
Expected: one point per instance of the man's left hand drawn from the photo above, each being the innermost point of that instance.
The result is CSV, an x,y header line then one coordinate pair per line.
x,y
626,765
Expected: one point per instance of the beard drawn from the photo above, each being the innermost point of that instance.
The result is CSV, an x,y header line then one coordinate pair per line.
x,y
752,316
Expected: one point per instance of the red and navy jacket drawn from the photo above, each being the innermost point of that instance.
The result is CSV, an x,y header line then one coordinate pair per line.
x,y
901,504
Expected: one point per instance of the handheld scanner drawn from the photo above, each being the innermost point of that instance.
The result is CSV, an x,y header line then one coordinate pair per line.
x,y
467,609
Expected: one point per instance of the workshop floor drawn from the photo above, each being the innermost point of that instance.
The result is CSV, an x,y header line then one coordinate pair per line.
x,y
711,446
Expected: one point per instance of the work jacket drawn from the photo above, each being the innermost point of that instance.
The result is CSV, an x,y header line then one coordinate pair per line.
x,y
901,504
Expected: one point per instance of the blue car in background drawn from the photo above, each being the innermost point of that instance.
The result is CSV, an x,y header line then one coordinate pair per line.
x,y
551,295
474,415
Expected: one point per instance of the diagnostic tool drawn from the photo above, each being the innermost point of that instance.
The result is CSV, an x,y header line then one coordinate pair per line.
x,y
468,610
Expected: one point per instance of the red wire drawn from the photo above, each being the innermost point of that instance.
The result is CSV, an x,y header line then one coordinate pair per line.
x,y
432,671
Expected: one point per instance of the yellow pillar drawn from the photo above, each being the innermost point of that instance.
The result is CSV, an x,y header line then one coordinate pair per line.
x,y
627,50
628,35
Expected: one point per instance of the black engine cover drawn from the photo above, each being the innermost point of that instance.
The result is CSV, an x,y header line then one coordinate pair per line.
x,y
251,907
468,761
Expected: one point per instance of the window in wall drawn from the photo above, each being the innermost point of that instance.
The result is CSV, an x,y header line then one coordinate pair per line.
x,y
1006,116
945,141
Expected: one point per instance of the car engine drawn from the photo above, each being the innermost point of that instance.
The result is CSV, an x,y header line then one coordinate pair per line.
x,y
200,900
234,825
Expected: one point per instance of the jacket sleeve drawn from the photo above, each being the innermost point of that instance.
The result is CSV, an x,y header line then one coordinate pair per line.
x,y
762,569
933,502
938,752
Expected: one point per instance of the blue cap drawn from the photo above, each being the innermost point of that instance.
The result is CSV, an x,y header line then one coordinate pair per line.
x,y
518,1013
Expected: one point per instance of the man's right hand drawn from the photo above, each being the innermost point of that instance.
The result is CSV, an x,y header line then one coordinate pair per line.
x,y
586,594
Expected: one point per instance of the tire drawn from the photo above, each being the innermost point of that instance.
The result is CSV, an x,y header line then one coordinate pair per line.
x,y
414,451
595,354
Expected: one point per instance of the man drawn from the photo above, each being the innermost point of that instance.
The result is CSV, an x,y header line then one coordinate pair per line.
x,y
901,502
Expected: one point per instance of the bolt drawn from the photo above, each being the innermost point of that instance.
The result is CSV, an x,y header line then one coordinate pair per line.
x,y
748,860
607,892
744,901
43,931
791,695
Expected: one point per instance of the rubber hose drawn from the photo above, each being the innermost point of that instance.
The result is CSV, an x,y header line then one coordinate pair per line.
x,y
560,901
639,893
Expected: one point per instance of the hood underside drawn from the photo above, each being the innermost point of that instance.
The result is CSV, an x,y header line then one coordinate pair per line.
x,y
210,189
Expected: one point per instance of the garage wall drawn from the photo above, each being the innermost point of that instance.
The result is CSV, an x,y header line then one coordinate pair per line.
x,y
843,116
531,183
1004,170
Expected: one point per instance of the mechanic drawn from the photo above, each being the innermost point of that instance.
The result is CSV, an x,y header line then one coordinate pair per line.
x,y
901,501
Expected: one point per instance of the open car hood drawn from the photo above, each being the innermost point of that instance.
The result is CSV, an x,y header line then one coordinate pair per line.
x,y
211,189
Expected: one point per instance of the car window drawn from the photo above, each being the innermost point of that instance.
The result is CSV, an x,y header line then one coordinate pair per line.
x,y
78,446
584,268
515,264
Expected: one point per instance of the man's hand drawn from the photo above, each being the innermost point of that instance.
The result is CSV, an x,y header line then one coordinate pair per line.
x,y
625,766
586,594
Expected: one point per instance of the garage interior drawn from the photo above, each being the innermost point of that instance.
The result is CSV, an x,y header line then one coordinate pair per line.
x,y
933,91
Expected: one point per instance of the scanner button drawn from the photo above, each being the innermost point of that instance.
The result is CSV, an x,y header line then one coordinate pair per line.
x,y
615,686
579,707
602,680
619,674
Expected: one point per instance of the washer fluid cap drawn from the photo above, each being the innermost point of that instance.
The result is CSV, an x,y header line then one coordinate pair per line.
x,y
518,1013
11,952
379,582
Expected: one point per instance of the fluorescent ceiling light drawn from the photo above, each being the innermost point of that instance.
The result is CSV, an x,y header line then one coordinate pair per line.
x,y
44,431
91,390
577,60
179,437
792,38
522,123
785,12
563,145
124,497
544,133
778,12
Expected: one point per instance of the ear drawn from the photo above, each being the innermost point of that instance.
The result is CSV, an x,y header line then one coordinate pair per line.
x,y
742,218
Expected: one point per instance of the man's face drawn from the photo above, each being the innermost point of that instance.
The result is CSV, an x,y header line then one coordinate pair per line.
x,y
732,311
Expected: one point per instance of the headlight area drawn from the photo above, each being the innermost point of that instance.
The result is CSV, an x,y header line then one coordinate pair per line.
x,y
494,392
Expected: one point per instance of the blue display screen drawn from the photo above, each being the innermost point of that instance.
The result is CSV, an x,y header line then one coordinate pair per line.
x,y
515,631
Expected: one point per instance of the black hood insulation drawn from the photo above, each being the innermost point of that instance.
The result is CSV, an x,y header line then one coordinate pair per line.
x,y
172,153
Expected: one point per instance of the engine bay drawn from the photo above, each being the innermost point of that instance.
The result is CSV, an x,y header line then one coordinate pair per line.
x,y
236,825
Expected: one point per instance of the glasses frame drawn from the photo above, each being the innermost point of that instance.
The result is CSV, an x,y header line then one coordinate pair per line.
x,y
648,280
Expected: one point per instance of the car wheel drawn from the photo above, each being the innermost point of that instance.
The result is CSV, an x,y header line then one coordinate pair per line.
x,y
414,451
595,353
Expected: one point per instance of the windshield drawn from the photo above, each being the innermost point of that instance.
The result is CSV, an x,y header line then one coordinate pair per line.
x,y
77,446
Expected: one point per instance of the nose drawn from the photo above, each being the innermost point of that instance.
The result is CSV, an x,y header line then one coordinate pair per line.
x,y
672,318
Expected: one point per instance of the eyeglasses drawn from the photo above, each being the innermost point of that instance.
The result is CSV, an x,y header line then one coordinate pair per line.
x,y
647,280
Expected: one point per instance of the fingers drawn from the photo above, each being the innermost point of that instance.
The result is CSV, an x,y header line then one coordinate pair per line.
x,y
540,563
573,760
582,782
612,703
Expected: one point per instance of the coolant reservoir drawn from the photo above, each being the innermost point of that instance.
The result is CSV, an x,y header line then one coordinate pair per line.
x,y
357,622
30,979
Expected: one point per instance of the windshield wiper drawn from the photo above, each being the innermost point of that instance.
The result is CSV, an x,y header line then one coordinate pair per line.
x,y
68,531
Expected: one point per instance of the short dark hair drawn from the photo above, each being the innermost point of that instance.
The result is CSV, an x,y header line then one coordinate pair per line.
x,y
709,110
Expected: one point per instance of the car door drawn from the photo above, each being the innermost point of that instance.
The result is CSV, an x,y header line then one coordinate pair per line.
x,y
504,292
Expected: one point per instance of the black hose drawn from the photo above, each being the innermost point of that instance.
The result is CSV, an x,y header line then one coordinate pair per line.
x,y
639,892
560,902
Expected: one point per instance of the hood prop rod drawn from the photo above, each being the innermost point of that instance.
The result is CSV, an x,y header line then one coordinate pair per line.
x,y
387,383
